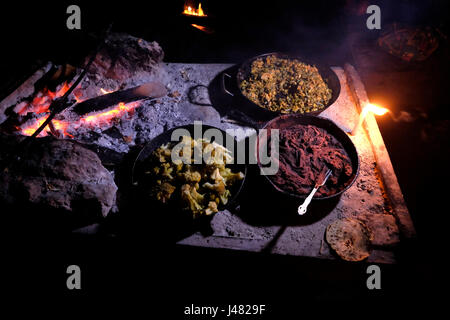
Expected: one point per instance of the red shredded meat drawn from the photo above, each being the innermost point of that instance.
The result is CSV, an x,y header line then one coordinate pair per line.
x,y
306,152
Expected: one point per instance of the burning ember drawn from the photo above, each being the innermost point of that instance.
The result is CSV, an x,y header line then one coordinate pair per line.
x,y
61,126
41,103
108,116
103,91
193,12
202,28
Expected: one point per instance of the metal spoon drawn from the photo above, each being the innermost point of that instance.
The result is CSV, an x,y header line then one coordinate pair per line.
x,y
302,208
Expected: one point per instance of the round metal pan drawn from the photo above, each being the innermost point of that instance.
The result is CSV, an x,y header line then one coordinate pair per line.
x,y
251,109
165,137
291,120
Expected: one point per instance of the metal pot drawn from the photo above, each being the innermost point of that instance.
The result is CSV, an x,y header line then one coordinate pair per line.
x,y
251,109
165,137
290,120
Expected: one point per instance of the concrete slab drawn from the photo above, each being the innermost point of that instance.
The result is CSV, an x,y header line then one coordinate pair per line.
x,y
373,198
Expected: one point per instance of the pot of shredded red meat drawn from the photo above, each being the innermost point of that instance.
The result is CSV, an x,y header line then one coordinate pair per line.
x,y
306,151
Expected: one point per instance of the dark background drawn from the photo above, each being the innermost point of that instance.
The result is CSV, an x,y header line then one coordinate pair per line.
x,y
333,31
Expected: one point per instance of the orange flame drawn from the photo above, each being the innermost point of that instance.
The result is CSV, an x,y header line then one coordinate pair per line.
x,y
41,102
194,12
60,125
30,129
40,106
110,115
379,111
100,119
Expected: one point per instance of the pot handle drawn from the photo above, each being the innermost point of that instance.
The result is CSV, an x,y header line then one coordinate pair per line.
x,y
224,88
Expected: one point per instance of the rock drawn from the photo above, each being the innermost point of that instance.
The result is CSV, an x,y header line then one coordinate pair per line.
x,y
191,113
123,56
199,95
59,176
384,228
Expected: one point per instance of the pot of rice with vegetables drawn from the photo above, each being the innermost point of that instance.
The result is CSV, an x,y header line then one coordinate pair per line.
x,y
281,84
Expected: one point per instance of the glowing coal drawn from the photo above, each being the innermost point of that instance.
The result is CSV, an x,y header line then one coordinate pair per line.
x,y
67,128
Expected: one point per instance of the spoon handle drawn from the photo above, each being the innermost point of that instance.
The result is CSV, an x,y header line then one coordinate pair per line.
x,y
302,208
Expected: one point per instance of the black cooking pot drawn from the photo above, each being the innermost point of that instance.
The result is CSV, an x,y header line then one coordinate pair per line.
x,y
291,120
139,165
251,109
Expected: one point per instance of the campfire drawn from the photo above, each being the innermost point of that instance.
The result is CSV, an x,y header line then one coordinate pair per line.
x,y
38,108
103,109
113,107
188,10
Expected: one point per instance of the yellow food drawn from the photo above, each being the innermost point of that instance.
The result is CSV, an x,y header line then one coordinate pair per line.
x,y
199,188
285,85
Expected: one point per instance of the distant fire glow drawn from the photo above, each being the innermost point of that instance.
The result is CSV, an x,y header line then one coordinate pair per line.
x,y
188,10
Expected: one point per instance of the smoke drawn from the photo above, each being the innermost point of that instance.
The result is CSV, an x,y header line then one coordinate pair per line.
x,y
405,116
